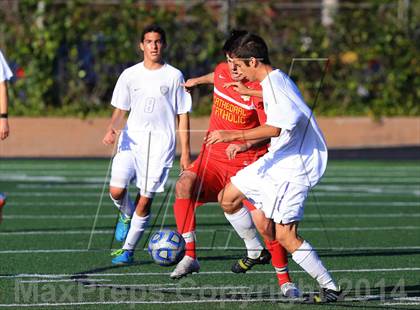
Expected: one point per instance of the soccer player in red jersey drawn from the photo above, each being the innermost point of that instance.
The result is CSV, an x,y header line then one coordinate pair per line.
x,y
235,107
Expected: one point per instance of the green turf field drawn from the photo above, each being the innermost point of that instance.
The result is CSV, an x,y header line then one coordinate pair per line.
x,y
364,219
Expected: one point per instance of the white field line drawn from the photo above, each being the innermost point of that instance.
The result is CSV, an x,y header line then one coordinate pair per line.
x,y
168,285
56,217
132,302
308,202
31,176
62,280
364,194
331,189
49,251
400,304
369,248
352,175
52,179
38,251
369,179
241,301
52,167
60,176
53,194
417,298
372,167
53,204
108,231
192,288
102,166
371,188
136,274
113,216
318,193
79,186
93,180
403,301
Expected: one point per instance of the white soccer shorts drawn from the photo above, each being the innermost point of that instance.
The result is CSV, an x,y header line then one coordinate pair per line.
x,y
280,200
126,168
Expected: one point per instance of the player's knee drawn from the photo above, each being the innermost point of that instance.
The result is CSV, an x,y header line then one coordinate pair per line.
x,y
143,207
265,230
116,192
184,186
287,236
264,226
229,206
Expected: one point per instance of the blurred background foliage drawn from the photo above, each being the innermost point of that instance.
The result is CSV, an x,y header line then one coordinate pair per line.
x,y
67,55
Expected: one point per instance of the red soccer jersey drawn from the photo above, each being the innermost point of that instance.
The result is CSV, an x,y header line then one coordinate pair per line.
x,y
232,111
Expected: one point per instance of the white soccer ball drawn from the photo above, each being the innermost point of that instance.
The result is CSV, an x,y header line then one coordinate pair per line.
x,y
166,247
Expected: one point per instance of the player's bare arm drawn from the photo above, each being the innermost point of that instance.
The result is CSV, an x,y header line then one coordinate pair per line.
x,y
204,79
261,132
4,124
233,149
112,130
184,137
240,88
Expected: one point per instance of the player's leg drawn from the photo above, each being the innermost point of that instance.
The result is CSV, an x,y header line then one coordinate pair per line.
x,y
121,174
139,223
307,258
266,228
287,212
240,219
154,183
184,211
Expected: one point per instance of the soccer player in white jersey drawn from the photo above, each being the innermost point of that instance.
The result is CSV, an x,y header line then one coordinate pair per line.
x,y
153,93
5,75
279,182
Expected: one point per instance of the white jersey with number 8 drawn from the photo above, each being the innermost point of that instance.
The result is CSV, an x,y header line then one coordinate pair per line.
x,y
154,98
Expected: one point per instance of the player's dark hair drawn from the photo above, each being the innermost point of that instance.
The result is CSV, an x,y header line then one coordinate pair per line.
x,y
251,45
233,37
154,28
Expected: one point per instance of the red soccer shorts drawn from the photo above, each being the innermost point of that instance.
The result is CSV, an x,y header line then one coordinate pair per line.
x,y
213,175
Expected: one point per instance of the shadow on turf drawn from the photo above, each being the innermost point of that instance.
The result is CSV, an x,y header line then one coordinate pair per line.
x,y
111,267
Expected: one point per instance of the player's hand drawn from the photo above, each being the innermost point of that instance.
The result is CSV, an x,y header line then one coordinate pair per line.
x,y
239,87
184,162
110,137
190,84
4,128
218,136
234,149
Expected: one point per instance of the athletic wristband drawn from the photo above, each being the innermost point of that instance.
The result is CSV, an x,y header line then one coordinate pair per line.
x,y
4,115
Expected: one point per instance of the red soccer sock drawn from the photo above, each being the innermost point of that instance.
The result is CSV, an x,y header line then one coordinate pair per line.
x,y
184,211
278,260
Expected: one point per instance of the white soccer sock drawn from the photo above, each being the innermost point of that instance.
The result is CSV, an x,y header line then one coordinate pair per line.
x,y
241,221
125,205
138,225
306,257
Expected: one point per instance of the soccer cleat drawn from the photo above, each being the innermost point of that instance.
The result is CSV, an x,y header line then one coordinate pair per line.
x,y
122,228
246,263
122,257
328,295
186,266
290,290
